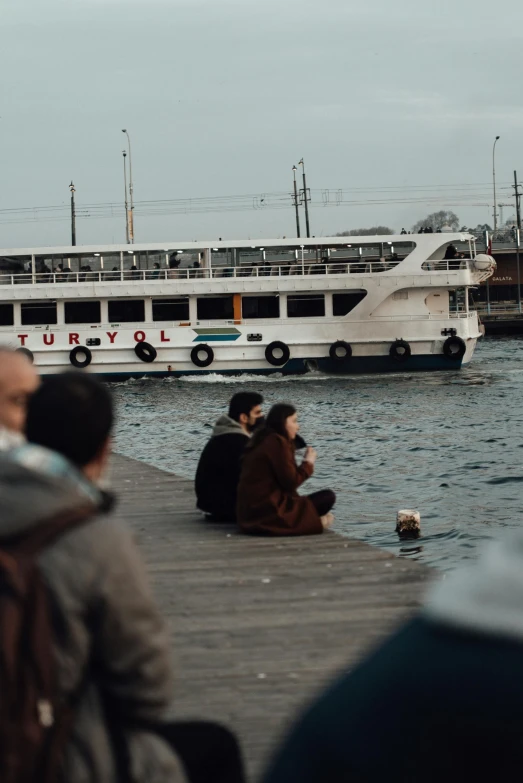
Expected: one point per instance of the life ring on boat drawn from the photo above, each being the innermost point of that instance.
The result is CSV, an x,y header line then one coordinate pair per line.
x,y
145,352
454,348
277,353
195,355
400,350
80,363
340,351
26,352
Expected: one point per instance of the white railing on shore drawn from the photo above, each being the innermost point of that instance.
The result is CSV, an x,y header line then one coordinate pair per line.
x,y
425,316
499,308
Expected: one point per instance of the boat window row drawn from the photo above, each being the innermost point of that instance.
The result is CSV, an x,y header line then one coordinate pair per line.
x,y
208,308
174,264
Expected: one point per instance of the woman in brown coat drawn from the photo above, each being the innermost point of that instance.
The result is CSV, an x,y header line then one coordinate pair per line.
x,y
268,503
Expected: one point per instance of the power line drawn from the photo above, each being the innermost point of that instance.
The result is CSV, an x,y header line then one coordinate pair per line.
x,y
455,195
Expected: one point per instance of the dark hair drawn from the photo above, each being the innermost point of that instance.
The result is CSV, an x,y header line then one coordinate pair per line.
x,y
72,414
274,423
243,402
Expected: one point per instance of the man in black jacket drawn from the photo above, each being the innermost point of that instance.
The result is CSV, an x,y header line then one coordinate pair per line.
x,y
219,467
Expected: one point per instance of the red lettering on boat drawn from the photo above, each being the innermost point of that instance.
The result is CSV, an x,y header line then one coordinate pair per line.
x,y
163,338
22,338
48,339
139,337
111,336
74,339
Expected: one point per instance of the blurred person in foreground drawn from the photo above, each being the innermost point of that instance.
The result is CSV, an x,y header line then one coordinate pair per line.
x,y
111,645
440,700
218,471
18,381
268,501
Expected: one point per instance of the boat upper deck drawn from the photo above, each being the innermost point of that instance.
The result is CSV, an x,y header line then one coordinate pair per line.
x,y
271,258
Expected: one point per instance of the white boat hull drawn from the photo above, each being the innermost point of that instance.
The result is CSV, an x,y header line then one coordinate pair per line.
x,y
233,353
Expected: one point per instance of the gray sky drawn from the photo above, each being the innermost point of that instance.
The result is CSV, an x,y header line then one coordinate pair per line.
x,y
221,97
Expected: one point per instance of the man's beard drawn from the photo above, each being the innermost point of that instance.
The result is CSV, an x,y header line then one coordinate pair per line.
x,y
257,424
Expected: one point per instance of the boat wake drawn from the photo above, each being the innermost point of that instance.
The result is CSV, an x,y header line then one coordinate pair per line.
x,y
254,378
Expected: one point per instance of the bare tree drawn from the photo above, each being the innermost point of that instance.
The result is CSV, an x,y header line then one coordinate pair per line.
x,y
480,228
445,218
367,232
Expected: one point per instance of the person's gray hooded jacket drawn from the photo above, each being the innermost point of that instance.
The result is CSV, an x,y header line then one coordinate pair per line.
x,y
9,439
110,635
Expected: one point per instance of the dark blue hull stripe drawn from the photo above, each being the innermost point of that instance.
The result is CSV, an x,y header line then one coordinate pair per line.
x,y
356,365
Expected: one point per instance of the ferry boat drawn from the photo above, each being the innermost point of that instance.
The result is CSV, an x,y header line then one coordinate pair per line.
x,y
339,305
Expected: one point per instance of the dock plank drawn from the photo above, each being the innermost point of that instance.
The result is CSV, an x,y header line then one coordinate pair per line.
x,y
257,625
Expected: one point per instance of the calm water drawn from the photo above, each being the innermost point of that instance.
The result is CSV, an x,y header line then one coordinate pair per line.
x,y
449,444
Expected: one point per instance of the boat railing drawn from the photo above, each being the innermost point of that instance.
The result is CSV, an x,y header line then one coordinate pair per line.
x,y
446,265
191,273
220,272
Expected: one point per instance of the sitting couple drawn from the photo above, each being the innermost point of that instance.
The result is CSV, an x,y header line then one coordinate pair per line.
x,y
248,472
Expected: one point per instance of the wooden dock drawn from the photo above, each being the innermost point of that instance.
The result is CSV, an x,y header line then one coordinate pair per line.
x,y
257,625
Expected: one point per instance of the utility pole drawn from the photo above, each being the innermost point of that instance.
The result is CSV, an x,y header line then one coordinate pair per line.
x,y
73,215
125,198
296,206
306,198
517,194
131,191
494,181
518,271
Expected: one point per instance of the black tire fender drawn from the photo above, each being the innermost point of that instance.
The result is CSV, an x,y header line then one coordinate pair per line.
x,y
80,363
209,355
340,351
400,350
145,352
454,348
273,349
26,352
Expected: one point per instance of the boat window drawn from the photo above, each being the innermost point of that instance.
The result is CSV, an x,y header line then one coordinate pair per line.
x,y
171,309
6,315
305,305
87,312
126,310
344,303
90,266
260,307
38,313
215,308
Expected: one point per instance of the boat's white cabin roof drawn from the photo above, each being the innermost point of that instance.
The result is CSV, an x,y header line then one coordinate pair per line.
x,y
429,242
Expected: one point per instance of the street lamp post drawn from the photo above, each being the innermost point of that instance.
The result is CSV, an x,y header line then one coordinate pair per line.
x,y
294,170
125,196
131,189
73,215
494,182
305,198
